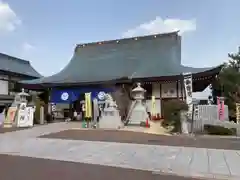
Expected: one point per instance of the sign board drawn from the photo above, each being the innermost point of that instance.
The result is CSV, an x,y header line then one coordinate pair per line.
x,y
25,116
220,104
187,79
11,114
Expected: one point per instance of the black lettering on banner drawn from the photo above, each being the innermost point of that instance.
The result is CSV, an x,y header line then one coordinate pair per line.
x,y
221,107
22,118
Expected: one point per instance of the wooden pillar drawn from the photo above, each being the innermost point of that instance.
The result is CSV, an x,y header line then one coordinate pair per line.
x,y
177,90
161,111
9,84
181,86
46,101
70,111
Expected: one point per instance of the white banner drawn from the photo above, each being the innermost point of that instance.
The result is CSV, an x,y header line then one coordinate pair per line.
x,y
238,112
2,117
187,78
25,116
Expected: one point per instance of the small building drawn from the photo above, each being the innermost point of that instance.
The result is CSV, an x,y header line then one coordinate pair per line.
x,y
12,70
153,60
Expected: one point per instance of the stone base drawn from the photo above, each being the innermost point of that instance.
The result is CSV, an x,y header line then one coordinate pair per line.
x,y
8,125
137,117
133,123
110,122
137,113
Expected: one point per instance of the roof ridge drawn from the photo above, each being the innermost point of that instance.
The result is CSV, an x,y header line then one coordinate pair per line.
x,y
126,39
15,58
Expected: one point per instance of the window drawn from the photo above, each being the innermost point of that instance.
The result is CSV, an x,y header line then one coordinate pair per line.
x,y
13,87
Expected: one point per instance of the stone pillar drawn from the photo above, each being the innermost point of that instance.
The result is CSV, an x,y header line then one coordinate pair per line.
x,y
184,122
42,115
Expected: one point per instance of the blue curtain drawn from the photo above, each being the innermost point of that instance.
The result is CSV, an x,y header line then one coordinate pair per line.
x,y
69,95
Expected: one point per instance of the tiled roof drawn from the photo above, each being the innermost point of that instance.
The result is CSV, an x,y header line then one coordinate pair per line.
x,y
18,66
137,57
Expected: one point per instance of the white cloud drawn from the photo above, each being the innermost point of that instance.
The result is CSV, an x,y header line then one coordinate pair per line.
x,y
159,25
27,47
8,18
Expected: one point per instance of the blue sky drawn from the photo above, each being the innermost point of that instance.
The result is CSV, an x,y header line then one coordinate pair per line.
x,y
45,32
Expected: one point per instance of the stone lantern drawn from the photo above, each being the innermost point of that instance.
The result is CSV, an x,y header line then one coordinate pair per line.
x,y
137,112
138,93
20,98
23,96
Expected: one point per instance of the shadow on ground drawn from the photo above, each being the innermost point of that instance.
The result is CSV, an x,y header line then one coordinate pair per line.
x,y
10,129
145,138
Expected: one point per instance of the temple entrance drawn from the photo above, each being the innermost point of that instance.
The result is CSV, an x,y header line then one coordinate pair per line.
x,y
77,109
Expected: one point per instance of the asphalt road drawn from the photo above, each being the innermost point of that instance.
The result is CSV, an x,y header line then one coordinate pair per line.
x,y
25,168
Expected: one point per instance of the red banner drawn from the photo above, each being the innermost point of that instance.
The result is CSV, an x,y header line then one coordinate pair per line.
x,y
220,104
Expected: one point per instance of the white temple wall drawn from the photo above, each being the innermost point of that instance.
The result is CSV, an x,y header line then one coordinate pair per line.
x,y
3,85
156,90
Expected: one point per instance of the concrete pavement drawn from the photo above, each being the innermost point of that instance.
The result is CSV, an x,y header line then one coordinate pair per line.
x,y
197,162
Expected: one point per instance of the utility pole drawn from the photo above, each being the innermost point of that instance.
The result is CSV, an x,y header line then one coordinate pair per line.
x,y
238,61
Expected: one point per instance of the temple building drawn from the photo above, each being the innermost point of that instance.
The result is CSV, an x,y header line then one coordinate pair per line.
x,y
153,60
12,70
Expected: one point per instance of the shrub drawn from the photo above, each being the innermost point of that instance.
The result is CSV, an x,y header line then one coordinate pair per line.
x,y
38,104
172,109
219,130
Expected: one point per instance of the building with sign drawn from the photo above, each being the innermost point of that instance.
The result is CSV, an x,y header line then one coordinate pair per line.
x,y
12,70
153,60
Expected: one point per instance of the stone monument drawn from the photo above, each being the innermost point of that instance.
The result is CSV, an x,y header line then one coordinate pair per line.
x,y
13,111
110,118
184,122
25,110
137,112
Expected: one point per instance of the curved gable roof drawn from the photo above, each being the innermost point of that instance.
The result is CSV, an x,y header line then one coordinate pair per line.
x,y
138,57
18,66
117,59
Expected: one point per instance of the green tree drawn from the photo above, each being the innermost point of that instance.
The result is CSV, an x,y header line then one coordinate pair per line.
x,y
228,83
172,109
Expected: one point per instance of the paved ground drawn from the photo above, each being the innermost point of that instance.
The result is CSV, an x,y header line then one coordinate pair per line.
x,y
144,138
187,161
24,168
